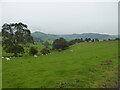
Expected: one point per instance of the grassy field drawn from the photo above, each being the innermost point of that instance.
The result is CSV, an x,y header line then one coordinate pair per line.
x,y
84,65
0,65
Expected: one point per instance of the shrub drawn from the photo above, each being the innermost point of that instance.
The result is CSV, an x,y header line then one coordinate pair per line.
x,y
72,42
45,51
96,40
92,40
60,43
33,51
15,49
117,38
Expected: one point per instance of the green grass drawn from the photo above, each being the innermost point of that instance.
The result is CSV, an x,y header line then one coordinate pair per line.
x,y
0,67
0,64
78,69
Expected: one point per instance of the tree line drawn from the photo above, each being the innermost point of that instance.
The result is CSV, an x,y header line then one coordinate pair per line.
x,y
15,36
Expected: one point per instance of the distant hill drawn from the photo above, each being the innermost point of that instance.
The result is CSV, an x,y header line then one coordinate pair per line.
x,y
44,36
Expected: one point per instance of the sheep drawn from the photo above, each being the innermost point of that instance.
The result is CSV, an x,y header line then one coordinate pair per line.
x,y
2,57
71,50
35,56
8,59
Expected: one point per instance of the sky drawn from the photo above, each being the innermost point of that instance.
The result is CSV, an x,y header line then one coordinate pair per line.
x,y
63,17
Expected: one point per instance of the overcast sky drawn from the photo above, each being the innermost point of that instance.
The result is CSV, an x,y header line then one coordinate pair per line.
x,y
63,17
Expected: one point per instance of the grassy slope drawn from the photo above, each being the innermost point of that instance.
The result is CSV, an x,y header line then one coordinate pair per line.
x,y
0,65
80,68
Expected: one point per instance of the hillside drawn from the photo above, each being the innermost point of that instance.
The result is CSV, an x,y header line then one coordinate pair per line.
x,y
43,36
83,65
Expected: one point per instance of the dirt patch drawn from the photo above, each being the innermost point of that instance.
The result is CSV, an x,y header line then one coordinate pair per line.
x,y
106,63
65,84
62,84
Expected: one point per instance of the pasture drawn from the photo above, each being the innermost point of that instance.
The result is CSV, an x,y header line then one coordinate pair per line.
x,y
83,65
0,64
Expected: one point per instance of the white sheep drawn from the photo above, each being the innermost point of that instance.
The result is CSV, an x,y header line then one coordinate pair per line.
x,y
2,57
71,50
35,56
8,59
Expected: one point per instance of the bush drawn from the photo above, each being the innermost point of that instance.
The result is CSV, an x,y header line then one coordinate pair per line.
x,y
45,51
117,38
96,40
15,49
60,43
92,40
72,42
33,51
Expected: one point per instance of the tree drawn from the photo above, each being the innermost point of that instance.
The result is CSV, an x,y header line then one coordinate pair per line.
x,y
96,40
15,49
45,51
89,39
77,40
15,35
117,38
82,40
72,42
92,40
86,39
60,43
33,51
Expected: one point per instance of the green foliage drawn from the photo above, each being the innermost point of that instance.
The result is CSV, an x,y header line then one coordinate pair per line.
x,y
14,35
45,51
72,42
46,44
117,38
60,43
15,49
33,51
96,40
92,40
87,39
